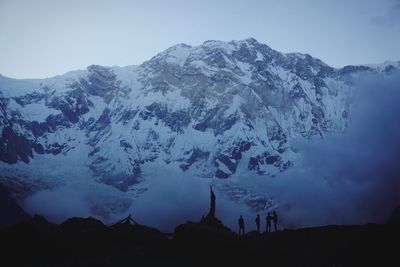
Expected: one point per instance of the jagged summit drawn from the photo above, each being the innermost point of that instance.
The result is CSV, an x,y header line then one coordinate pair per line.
x,y
223,111
218,43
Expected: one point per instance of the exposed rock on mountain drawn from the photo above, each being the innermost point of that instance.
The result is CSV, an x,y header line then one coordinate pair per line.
x,y
219,110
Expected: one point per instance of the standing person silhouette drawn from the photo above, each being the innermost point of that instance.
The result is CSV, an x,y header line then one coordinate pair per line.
x,y
241,225
275,220
269,220
258,222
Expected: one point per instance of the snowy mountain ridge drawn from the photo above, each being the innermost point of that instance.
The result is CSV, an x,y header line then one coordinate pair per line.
x,y
222,111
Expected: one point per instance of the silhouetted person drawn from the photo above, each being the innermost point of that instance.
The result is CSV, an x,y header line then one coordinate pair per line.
x,y
241,225
275,220
258,222
269,221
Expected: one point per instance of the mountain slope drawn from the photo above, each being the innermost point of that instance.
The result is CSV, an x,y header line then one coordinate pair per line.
x,y
222,110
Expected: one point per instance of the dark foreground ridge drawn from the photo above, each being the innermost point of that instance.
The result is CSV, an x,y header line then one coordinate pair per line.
x,y
88,242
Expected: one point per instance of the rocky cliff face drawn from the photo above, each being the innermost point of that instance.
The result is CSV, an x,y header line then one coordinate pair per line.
x,y
219,110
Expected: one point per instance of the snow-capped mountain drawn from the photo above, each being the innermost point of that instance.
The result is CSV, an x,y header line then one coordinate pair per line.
x,y
222,111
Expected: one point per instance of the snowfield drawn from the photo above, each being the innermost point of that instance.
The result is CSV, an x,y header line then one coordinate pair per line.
x,y
107,141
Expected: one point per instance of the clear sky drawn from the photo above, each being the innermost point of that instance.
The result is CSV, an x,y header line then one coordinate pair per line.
x,y
42,38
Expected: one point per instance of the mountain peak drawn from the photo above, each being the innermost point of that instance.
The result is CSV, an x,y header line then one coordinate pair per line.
x,y
222,109
217,43
251,40
178,54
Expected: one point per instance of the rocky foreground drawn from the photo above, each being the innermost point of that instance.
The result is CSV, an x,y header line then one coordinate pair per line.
x,y
88,242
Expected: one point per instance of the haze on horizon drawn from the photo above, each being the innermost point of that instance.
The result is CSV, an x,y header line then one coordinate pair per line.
x,y
44,38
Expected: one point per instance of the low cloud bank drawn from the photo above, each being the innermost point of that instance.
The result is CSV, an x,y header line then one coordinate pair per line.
x,y
352,177
58,204
343,179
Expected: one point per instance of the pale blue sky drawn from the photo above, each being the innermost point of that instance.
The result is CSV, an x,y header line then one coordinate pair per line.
x,y
42,38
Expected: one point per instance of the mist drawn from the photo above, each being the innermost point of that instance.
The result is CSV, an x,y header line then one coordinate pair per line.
x,y
351,177
344,178
58,204
175,197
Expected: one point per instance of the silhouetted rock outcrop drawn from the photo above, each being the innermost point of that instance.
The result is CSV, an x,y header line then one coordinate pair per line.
x,y
211,220
209,229
131,231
